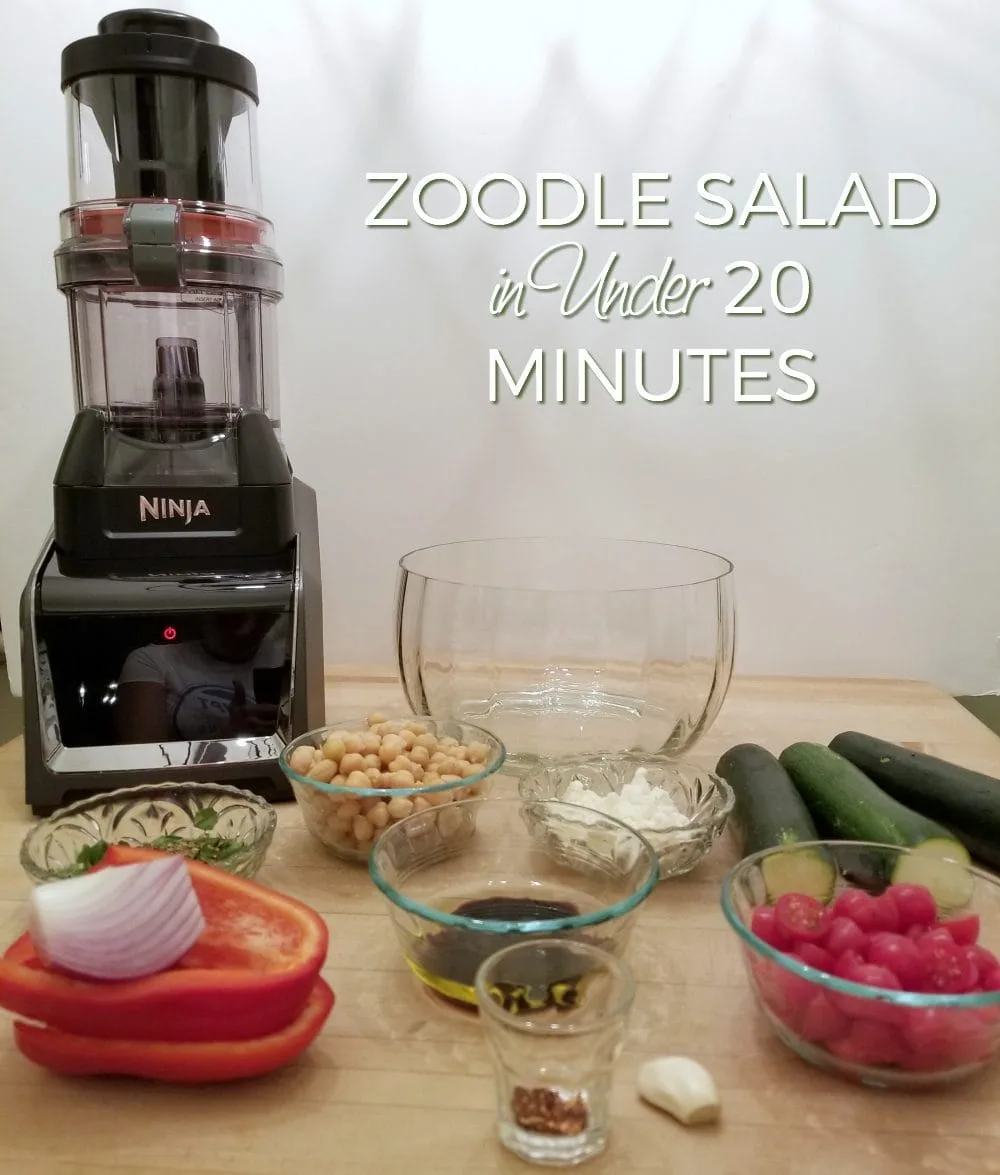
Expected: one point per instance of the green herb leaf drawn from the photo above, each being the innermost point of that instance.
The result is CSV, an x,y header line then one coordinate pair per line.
x,y
91,855
206,819
168,844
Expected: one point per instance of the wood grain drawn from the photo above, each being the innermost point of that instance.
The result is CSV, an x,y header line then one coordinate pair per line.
x,y
397,1084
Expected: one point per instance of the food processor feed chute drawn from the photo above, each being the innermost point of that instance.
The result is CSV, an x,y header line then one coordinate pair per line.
x,y
159,110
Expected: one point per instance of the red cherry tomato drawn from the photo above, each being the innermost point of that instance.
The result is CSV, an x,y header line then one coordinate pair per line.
x,y
787,995
948,969
873,975
870,1042
901,956
764,924
814,955
847,964
985,961
942,1038
823,1021
991,980
845,935
856,970
860,907
915,904
801,917
937,934
886,913
964,931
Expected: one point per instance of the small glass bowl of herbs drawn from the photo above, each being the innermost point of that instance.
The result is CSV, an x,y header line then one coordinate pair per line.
x,y
222,826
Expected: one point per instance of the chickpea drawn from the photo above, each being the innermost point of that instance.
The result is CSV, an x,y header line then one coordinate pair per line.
x,y
371,743
470,769
349,810
474,789
352,761
451,779
417,772
427,741
357,779
376,718
420,804
339,780
323,771
415,727
333,749
460,753
370,802
399,807
448,742
450,822
430,778
438,757
301,760
420,755
402,779
374,776
390,728
478,752
400,763
362,830
378,817
408,737
392,747
385,779
373,761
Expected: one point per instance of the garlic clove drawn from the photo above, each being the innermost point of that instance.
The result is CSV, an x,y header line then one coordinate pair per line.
x,y
681,1087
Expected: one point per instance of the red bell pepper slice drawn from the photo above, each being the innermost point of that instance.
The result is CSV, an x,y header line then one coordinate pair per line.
x,y
248,976
188,1064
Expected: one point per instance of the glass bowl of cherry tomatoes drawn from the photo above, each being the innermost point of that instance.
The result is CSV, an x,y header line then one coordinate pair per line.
x,y
874,962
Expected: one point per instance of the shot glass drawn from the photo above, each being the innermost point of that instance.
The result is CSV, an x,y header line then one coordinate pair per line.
x,y
555,1013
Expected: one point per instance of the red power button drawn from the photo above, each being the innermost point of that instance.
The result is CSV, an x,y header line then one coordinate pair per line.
x,y
170,634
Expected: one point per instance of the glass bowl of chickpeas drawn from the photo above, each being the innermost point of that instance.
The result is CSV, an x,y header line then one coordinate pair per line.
x,y
357,777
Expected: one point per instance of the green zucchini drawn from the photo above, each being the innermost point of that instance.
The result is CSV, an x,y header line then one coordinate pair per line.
x,y
769,813
843,798
965,802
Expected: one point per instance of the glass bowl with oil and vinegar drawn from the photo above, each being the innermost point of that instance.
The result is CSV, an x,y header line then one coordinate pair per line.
x,y
465,881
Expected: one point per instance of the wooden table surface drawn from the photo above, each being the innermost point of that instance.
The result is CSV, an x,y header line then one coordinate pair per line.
x,y
395,1084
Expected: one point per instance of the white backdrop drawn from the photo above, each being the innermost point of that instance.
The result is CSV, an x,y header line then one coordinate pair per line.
x,y
864,524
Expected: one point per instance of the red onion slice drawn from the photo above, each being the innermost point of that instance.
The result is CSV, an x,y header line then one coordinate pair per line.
x,y
119,923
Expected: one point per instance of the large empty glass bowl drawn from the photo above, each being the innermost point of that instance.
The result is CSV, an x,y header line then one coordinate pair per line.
x,y
564,647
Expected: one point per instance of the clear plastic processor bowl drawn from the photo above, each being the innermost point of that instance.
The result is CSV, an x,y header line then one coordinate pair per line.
x,y
878,1037
568,646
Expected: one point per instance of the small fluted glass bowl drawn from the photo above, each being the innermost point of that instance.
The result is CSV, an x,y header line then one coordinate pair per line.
x,y
703,801
348,819
223,826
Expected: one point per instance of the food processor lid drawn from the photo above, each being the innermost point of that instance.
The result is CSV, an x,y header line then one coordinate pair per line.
x,y
152,41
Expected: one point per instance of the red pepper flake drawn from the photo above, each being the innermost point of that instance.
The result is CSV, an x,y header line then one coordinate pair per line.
x,y
546,1111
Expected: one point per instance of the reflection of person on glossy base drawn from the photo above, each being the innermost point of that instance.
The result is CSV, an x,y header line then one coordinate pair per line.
x,y
201,689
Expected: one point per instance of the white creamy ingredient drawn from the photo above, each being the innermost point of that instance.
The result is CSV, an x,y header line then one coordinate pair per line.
x,y
638,804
